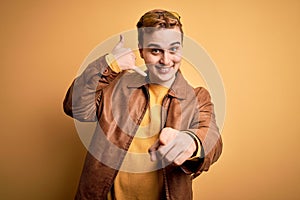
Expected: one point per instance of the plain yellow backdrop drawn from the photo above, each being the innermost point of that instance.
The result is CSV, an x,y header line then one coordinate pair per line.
x,y
255,45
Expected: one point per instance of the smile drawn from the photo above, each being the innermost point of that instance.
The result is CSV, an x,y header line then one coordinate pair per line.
x,y
163,70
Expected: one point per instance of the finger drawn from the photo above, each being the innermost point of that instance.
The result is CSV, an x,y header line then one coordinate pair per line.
x,y
138,70
121,42
153,150
163,150
172,154
122,38
183,156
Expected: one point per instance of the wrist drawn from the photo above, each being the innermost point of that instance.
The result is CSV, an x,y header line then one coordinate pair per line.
x,y
112,62
197,152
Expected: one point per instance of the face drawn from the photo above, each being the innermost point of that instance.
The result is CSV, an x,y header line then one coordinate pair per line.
x,y
161,52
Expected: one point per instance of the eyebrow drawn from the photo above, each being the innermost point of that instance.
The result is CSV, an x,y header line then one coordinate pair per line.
x,y
158,46
174,43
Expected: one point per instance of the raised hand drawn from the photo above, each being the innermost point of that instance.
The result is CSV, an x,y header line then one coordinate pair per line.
x,y
125,57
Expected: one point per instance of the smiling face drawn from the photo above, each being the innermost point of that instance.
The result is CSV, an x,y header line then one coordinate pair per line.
x,y
161,51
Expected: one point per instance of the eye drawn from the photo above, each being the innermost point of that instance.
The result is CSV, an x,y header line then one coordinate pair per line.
x,y
173,49
156,51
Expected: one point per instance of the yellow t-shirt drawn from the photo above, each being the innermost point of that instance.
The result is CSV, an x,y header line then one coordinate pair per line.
x,y
147,185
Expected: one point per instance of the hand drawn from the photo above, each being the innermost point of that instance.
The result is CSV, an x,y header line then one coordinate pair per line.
x,y
125,57
173,146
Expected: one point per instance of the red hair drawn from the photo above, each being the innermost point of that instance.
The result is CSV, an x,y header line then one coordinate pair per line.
x,y
157,19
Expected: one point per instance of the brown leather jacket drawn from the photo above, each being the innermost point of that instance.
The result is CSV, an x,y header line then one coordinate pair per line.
x,y
118,102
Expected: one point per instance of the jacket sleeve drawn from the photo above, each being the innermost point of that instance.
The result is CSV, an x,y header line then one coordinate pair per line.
x,y
85,92
204,127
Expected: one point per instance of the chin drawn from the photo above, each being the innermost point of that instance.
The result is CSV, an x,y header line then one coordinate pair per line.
x,y
164,79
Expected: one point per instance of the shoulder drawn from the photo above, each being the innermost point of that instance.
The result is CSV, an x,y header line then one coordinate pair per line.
x,y
203,95
201,91
181,86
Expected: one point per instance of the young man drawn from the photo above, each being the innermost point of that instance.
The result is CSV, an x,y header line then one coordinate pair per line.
x,y
155,132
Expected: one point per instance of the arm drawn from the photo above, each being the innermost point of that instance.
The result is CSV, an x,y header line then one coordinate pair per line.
x,y
196,148
84,95
86,90
204,127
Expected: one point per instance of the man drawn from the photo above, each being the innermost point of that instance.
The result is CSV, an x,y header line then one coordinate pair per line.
x,y
155,132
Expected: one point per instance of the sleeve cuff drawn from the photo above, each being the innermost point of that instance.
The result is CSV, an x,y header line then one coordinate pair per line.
x,y
111,61
197,153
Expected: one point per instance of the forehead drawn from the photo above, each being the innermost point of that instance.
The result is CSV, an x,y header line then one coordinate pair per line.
x,y
162,37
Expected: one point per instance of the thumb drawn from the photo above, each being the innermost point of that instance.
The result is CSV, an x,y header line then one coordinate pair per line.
x,y
152,150
120,44
167,135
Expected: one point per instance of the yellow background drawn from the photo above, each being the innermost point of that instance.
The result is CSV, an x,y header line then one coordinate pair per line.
x,y
255,45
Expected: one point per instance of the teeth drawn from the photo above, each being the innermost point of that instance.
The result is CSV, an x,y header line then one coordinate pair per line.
x,y
164,69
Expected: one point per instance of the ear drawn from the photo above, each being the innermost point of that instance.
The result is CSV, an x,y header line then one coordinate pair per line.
x,y
141,51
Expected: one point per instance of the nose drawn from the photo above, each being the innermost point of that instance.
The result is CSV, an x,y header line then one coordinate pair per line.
x,y
165,58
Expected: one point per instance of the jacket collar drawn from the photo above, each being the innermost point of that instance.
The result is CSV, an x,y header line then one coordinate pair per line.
x,y
179,88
